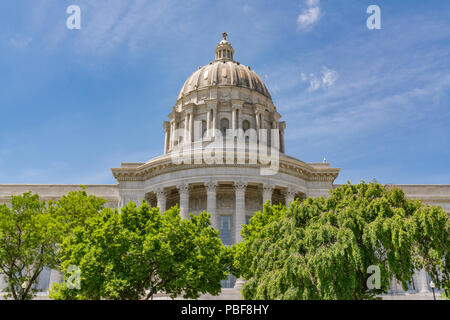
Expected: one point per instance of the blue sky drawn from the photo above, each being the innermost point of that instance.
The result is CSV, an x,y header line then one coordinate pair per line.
x,y
75,103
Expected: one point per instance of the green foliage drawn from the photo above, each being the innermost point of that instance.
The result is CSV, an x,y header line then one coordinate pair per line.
x,y
28,234
321,248
138,252
75,208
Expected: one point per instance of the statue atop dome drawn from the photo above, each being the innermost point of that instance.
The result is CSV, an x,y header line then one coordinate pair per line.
x,y
224,51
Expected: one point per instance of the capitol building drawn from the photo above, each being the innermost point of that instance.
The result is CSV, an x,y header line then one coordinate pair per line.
x,y
224,153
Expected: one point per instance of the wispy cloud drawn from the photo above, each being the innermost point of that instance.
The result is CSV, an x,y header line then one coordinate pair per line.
x,y
310,15
375,114
380,91
20,42
327,79
109,26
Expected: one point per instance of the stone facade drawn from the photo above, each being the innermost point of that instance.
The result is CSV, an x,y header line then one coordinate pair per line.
x,y
223,95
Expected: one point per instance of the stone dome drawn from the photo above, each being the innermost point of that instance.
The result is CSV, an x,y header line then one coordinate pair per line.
x,y
224,71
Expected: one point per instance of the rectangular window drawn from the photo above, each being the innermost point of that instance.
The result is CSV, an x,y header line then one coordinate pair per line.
x,y
225,230
247,219
229,283
225,236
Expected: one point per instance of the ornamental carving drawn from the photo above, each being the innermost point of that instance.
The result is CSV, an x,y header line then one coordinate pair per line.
x,y
211,186
161,193
239,186
184,188
268,188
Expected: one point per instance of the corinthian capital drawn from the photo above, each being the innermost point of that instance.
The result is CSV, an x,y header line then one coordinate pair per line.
x,y
160,192
184,188
211,186
268,187
290,192
239,185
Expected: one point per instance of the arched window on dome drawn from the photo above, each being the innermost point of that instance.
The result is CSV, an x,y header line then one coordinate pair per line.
x,y
203,128
224,125
245,125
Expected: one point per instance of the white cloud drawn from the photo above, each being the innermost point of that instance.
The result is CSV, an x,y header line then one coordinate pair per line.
x,y
309,15
312,3
328,78
314,83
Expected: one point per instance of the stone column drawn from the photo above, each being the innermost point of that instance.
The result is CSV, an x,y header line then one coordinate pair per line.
x,y
239,188
211,188
236,116
239,119
55,277
267,193
208,123
191,126
422,282
392,286
215,126
212,106
186,127
172,134
233,119
166,136
290,196
398,287
258,124
184,189
137,198
161,198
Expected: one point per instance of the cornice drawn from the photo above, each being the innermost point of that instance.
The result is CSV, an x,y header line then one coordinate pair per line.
x,y
164,164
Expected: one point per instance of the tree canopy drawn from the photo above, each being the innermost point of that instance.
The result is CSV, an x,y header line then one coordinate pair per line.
x,y
30,234
137,252
322,248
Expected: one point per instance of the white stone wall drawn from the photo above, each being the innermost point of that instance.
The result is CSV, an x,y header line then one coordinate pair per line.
x,y
55,191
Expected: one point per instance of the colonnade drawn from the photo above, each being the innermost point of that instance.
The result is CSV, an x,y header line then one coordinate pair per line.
x,y
212,124
240,187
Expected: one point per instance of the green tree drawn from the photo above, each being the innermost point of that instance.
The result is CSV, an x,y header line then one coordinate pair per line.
x,y
28,234
138,252
31,233
75,208
322,248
